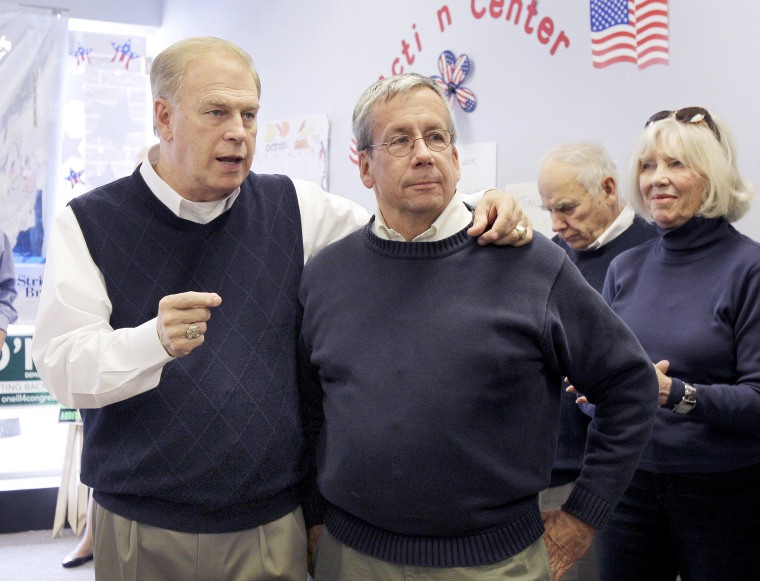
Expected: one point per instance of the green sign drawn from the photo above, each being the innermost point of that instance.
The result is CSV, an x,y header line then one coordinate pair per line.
x,y
69,416
19,379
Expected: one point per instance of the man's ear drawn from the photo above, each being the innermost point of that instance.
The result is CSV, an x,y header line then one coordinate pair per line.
x,y
365,171
163,111
609,187
455,158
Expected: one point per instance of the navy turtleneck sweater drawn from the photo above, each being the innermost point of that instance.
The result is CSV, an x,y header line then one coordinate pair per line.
x,y
692,296
441,370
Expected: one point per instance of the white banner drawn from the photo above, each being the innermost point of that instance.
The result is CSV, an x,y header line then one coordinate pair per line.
x,y
32,49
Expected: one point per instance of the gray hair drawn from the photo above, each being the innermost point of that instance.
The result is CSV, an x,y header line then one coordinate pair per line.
x,y
170,66
726,193
591,163
383,91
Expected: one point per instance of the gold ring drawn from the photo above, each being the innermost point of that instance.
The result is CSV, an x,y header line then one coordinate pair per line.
x,y
193,331
522,232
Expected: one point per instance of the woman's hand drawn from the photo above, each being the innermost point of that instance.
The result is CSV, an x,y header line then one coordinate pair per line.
x,y
665,383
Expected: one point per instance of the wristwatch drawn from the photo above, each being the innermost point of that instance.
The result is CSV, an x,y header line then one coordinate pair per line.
x,y
689,400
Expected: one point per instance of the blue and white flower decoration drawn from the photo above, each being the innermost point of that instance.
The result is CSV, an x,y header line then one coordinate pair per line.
x,y
453,73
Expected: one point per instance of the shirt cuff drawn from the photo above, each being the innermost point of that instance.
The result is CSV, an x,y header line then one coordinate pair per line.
x,y
146,346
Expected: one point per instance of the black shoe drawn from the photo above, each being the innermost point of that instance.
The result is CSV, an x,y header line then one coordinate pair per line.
x,y
76,561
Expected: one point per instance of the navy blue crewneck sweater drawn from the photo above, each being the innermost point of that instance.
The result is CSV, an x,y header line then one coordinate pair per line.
x,y
217,446
692,296
441,366
593,265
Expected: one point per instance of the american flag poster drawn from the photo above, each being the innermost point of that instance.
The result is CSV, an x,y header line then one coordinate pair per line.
x,y
630,31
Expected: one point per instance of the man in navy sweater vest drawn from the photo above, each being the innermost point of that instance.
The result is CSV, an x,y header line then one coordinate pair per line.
x,y
435,371
578,185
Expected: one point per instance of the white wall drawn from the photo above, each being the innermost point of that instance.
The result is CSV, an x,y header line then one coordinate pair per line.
x,y
139,12
317,57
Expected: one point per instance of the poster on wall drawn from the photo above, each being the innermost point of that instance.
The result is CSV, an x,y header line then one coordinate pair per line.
x,y
478,164
29,276
296,147
106,110
32,49
526,194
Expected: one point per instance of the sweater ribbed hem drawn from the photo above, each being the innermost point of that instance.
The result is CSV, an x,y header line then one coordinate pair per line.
x,y
482,548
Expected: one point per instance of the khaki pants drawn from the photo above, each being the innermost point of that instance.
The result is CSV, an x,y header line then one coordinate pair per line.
x,y
337,562
126,550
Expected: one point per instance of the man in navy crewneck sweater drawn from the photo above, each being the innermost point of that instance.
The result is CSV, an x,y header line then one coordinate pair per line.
x,y
436,374
578,185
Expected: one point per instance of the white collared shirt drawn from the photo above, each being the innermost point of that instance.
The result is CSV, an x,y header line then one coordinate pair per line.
x,y
452,219
201,212
618,226
81,359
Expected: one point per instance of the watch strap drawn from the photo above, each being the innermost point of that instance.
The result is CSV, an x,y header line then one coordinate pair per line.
x,y
689,400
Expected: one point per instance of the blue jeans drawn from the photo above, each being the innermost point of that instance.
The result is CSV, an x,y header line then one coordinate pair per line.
x,y
705,527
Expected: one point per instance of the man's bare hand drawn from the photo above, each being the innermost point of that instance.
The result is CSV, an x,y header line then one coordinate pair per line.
x,y
176,313
508,223
566,538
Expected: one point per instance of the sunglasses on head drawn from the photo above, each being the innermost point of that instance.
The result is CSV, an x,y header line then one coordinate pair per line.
x,y
687,115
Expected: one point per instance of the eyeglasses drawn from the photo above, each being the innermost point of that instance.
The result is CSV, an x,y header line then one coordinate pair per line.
x,y
402,145
687,115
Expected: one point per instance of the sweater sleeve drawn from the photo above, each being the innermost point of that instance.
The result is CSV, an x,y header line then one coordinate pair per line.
x,y
604,361
736,406
312,413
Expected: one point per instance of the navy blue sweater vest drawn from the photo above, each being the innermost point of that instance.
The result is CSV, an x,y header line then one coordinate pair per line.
x,y
217,445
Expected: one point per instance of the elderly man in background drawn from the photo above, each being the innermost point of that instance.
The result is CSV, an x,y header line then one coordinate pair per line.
x,y
578,185
437,374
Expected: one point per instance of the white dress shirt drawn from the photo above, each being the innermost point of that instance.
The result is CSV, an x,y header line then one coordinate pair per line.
x,y
454,217
81,359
